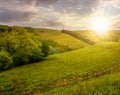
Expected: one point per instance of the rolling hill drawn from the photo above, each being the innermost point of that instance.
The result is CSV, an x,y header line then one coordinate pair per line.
x,y
61,38
94,69
106,85
91,37
77,72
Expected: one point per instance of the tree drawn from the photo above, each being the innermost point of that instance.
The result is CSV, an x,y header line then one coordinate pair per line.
x,y
6,61
23,46
45,48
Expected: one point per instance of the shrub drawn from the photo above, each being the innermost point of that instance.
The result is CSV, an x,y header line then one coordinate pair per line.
x,y
37,55
6,61
27,56
24,47
20,58
45,48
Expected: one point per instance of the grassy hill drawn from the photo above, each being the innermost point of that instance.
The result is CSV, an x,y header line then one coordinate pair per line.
x,y
70,73
91,37
61,38
106,85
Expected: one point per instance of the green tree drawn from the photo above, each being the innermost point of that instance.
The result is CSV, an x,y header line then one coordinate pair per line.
x,y
23,46
6,61
45,48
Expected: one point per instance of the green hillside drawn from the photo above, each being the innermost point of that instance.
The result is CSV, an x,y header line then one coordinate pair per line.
x,y
64,73
91,37
61,38
106,85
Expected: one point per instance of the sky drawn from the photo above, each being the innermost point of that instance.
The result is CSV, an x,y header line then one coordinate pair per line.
x,y
59,14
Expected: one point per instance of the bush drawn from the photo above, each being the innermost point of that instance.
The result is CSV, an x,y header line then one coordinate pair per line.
x,y
20,58
6,61
45,48
27,56
37,55
57,48
24,47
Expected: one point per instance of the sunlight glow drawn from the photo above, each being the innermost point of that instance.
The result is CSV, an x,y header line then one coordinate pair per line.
x,y
100,25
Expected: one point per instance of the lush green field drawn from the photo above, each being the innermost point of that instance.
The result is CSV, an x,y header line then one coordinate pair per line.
x,y
61,38
58,74
106,85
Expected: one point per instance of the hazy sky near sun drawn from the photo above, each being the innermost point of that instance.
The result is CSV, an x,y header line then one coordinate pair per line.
x,y
72,14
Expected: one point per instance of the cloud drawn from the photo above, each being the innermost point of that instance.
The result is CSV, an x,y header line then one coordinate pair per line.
x,y
68,12
45,3
54,23
7,15
81,7
17,11
22,5
116,25
16,2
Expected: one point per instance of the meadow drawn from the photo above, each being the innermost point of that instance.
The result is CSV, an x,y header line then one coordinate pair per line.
x,y
61,38
92,70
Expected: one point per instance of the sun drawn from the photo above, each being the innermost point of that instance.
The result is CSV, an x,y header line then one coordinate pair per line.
x,y
100,25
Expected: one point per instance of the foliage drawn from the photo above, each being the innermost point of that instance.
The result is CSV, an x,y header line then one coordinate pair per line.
x,y
6,61
37,55
57,48
45,48
29,29
24,47
3,28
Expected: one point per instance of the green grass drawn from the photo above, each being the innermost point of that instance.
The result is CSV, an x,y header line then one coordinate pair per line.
x,y
91,37
43,77
61,38
106,85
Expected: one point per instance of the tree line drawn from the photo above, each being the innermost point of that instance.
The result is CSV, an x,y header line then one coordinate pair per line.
x,y
19,47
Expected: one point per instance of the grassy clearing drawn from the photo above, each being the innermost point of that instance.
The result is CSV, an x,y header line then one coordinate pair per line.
x,y
61,38
39,77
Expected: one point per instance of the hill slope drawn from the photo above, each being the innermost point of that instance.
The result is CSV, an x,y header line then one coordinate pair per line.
x,y
91,37
57,37
58,70
61,38
106,85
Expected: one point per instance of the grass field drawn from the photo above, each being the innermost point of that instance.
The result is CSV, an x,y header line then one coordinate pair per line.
x,y
106,85
61,74
61,38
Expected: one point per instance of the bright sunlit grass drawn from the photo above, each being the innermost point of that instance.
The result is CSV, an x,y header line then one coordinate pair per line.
x,y
100,25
